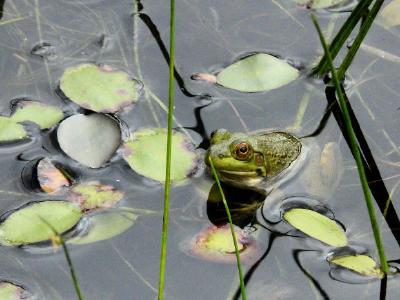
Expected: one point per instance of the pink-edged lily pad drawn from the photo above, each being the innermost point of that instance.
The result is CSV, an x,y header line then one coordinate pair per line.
x,y
12,291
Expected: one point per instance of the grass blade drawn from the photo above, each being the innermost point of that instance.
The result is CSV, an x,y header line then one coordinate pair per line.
x,y
242,287
167,186
355,149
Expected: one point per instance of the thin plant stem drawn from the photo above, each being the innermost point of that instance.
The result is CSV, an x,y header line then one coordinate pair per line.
x,y
167,186
356,152
366,25
342,35
239,266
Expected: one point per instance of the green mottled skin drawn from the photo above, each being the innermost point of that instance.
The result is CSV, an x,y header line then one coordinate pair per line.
x,y
273,152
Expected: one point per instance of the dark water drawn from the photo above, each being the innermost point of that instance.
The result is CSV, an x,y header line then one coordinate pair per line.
x,y
43,37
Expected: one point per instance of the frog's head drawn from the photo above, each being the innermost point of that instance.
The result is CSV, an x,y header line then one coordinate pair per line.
x,y
236,158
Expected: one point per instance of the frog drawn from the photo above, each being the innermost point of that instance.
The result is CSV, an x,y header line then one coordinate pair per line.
x,y
266,159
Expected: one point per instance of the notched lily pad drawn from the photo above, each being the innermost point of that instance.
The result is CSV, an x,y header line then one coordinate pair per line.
x,y
316,226
145,154
361,264
11,291
25,225
50,178
93,195
216,244
255,73
99,88
45,116
89,139
11,131
317,4
105,226
391,14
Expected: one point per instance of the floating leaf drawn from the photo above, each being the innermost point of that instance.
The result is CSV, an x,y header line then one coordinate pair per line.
x,y
105,226
99,88
391,13
93,195
89,139
257,73
25,225
44,115
50,178
316,4
11,291
145,154
361,264
216,244
11,131
317,226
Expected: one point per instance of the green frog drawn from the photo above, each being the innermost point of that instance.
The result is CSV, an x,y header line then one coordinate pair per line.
x,y
264,160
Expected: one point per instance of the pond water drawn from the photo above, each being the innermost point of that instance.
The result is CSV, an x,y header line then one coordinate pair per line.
x,y
41,38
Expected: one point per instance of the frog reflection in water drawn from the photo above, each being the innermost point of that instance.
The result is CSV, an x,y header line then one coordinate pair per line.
x,y
265,160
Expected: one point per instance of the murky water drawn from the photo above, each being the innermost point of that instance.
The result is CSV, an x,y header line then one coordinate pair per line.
x,y
40,38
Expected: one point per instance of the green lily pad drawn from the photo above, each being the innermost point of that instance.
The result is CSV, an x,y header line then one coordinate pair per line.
x,y
99,88
316,4
316,226
145,154
11,131
391,14
257,73
50,178
44,115
25,225
105,226
89,139
93,195
362,264
11,291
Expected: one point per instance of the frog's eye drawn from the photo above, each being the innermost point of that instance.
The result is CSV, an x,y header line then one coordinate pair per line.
x,y
243,151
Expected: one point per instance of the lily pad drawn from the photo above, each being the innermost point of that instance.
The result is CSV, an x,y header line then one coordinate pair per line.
x,y
316,4
11,131
362,264
257,73
391,14
25,225
316,226
216,244
11,291
99,88
89,139
46,116
93,195
50,178
105,226
145,154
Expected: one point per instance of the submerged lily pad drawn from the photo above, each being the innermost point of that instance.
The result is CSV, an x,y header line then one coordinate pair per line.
x,y
216,244
145,154
99,88
316,4
391,13
362,264
93,195
316,226
257,73
11,131
11,291
50,178
26,226
105,226
46,116
89,139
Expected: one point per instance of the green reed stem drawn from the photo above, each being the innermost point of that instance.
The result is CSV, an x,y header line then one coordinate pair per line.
x,y
342,36
239,266
167,186
356,151
68,258
366,25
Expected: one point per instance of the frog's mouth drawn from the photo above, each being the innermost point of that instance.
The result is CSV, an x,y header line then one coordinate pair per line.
x,y
242,179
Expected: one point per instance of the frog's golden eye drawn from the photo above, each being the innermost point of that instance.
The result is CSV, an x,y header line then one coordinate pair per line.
x,y
243,151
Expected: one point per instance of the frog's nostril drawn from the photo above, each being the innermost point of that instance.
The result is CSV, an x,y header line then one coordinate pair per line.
x,y
220,156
